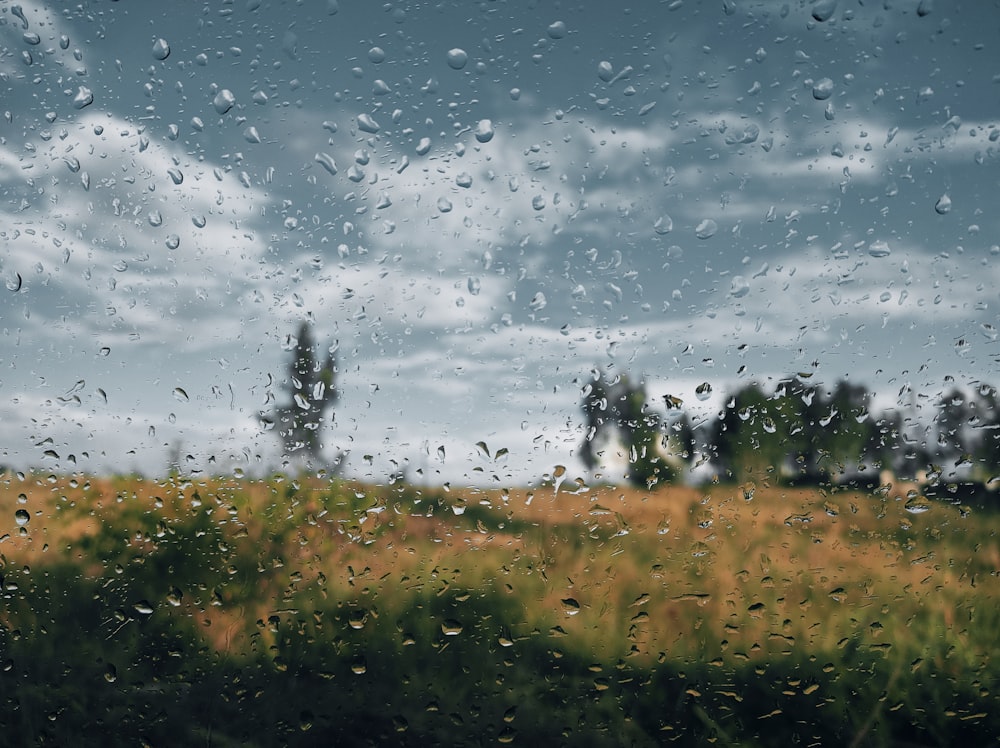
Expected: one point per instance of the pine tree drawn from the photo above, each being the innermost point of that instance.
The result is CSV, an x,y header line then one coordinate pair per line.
x,y
312,391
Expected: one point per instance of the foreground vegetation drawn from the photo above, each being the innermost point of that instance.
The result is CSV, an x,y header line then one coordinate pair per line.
x,y
281,612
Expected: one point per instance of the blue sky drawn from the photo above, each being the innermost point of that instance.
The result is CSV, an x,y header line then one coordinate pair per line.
x,y
691,192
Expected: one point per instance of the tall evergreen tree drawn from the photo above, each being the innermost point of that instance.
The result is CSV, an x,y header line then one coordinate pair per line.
x,y
311,389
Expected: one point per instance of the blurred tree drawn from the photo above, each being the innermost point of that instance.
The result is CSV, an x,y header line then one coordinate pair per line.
x,y
751,436
617,406
986,421
842,431
311,390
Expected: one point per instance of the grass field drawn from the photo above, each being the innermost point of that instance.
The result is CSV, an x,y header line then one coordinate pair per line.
x,y
279,612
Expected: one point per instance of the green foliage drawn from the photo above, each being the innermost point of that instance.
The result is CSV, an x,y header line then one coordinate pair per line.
x,y
311,389
617,406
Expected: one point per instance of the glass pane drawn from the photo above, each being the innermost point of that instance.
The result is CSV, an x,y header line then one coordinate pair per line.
x,y
461,373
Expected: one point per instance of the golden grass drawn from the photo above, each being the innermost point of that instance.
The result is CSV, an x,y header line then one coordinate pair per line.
x,y
719,574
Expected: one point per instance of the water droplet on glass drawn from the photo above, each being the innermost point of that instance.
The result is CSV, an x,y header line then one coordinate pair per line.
x,y
823,89
251,135
224,101
474,285
570,606
917,505
557,30
703,391
161,50
484,131
173,241
739,287
444,205
367,124
143,608
457,58
84,98
155,218
706,229
464,180
176,175
604,71
451,627
664,225
326,161
181,395
110,673
376,55
943,205
357,618
21,517
823,10
537,302
538,202
879,249
13,282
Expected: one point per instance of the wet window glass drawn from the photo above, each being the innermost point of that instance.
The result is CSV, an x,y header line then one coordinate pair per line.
x,y
538,373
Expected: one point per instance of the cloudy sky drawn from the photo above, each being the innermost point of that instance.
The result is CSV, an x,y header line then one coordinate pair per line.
x,y
476,204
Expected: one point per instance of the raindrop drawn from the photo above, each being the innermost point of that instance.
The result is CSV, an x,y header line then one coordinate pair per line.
x,y
367,124
538,202
537,302
84,98
176,175
444,205
181,395
457,58
570,606
376,55
326,161
739,287
664,225
143,608
823,10
474,285
251,135
154,218
943,205
823,89
161,50
917,505
703,391
13,282
604,71
557,30
484,131
879,249
423,146
464,180
173,241
706,229
21,517
224,101
451,627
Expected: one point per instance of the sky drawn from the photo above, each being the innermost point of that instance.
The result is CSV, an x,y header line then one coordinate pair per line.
x,y
476,205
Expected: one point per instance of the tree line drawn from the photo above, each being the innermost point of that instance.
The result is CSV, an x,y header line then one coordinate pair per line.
x,y
798,432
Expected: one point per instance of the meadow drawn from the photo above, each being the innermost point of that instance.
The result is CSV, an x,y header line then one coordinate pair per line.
x,y
303,611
